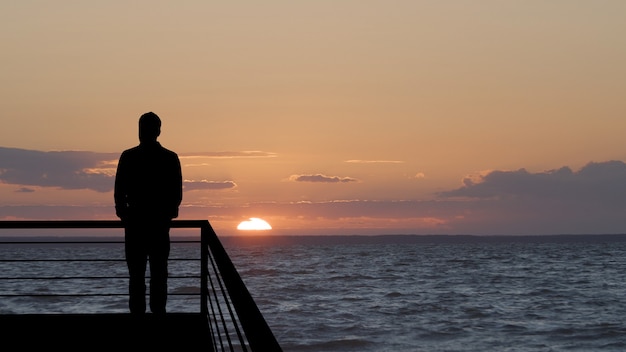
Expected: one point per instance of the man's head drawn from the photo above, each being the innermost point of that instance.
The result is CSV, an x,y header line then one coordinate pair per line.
x,y
149,127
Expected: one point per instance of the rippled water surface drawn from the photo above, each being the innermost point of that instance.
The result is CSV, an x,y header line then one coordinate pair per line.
x,y
471,295
505,296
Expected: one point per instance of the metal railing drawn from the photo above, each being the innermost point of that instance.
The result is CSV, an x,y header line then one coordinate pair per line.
x,y
234,320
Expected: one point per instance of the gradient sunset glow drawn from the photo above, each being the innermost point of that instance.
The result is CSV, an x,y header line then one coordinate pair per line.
x,y
325,117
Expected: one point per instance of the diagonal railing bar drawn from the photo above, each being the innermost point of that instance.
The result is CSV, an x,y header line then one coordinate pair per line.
x,y
228,305
221,313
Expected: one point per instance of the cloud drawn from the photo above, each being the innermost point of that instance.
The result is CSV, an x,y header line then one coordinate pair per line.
x,y
228,155
589,200
598,182
57,212
73,170
321,178
196,164
208,185
61,169
357,161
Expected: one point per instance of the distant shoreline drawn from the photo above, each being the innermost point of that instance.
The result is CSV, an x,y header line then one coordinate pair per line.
x,y
265,240
416,239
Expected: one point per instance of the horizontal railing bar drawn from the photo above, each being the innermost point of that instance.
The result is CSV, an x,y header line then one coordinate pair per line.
x,y
93,294
61,278
58,260
82,260
86,224
84,242
89,277
87,294
61,242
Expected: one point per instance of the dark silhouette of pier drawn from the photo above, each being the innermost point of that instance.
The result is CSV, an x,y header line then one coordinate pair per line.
x,y
74,332
227,318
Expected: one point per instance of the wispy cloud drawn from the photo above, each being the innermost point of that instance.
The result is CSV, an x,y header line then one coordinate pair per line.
x,y
359,161
208,185
228,155
321,178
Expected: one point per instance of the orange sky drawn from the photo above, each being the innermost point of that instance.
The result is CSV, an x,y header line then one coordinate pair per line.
x,y
333,117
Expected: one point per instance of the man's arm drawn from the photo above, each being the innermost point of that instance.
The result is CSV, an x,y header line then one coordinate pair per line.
x,y
178,181
120,191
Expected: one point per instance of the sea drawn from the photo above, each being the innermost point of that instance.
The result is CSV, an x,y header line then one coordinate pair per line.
x,y
399,293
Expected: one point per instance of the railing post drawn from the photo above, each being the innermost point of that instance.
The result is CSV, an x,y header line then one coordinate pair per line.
x,y
204,269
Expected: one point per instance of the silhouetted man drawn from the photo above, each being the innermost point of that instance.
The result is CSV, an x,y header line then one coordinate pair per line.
x,y
148,192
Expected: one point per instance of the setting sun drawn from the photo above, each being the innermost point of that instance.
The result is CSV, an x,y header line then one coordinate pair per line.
x,y
254,224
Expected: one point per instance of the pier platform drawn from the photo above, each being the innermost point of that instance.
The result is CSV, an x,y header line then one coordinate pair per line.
x,y
99,332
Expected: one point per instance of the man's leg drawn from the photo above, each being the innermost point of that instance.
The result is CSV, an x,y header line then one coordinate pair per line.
x,y
136,257
159,254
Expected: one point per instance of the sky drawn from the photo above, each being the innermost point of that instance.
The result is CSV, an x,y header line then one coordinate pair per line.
x,y
324,117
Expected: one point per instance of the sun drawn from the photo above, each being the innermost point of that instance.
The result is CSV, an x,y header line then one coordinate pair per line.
x,y
254,224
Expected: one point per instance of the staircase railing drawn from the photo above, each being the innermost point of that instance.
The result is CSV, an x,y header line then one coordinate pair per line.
x,y
234,320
